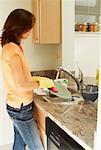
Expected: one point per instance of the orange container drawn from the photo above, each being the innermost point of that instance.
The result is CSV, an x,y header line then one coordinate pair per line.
x,y
84,27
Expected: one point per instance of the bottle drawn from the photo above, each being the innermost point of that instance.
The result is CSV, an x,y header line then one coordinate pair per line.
x,y
88,27
97,77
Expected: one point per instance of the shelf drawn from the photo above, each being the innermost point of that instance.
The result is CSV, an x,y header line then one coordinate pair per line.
x,y
88,34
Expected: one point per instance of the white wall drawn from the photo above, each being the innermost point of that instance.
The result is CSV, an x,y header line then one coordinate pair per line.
x,y
40,57
87,48
68,34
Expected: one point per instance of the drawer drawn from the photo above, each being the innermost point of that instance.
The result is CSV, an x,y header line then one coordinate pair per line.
x,y
42,134
40,117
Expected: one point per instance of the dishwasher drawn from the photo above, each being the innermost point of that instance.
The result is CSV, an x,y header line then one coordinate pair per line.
x,y
57,139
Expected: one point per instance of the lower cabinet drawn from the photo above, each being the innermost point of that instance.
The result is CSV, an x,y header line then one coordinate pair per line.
x,y
40,118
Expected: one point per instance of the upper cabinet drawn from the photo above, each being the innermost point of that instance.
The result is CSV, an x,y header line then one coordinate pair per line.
x,y
47,25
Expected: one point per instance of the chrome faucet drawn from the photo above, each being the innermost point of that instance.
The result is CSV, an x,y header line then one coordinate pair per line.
x,y
78,80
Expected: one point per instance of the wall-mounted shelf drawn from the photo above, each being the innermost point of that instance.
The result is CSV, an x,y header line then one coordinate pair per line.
x,y
89,34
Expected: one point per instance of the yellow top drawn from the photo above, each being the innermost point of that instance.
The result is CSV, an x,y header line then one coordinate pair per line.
x,y
15,97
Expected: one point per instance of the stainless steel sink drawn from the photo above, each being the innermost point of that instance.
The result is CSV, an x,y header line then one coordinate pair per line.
x,y
63,96
57,100
75,98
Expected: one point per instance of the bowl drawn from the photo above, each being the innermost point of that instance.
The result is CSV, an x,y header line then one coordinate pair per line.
x,y
91,88
90,93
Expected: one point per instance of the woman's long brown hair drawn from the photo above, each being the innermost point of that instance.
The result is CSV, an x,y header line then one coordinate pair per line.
x,y
18,22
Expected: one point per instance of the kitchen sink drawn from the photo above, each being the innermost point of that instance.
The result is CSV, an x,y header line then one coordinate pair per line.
x,y
57,100
75,98
63,95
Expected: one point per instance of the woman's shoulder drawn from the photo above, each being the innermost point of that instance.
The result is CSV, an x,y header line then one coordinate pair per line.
x,y
10,46
10,49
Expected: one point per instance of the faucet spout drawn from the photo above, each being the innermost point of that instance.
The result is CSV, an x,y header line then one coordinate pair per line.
x,y
79,80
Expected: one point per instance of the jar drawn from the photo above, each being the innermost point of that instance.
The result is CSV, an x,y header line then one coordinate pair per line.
x,y
77,27
96,27
91,27
84,27
80,27
99,27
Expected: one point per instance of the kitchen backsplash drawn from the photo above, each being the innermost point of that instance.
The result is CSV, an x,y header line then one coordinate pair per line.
x,y
45,73
89,80
52,74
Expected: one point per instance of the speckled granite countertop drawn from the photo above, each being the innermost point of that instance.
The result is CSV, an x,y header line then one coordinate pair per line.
x,y
77,119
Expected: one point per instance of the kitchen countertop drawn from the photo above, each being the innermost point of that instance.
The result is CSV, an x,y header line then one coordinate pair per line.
x,y
78,119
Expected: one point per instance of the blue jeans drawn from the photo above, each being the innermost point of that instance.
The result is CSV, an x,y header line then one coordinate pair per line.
x,y
25,128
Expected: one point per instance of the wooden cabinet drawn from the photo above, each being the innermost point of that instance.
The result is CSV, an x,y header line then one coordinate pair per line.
x,y
47,25
40,118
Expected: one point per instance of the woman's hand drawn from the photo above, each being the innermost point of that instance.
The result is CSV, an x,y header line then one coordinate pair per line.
x,y
44,82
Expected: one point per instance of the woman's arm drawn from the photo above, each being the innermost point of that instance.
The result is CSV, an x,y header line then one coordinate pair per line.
x,y
22,84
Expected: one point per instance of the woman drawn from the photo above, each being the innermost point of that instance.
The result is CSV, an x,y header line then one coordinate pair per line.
x,y
18,80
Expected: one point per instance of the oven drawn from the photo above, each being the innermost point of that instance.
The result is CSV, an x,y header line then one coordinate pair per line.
x,y
57,139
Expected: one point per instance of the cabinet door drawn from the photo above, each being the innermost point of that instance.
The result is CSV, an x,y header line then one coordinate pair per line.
x,y
40,118
43,136
47,26
50,21
36,12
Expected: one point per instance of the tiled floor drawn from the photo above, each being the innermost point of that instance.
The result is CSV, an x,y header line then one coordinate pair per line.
x,y
8,147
